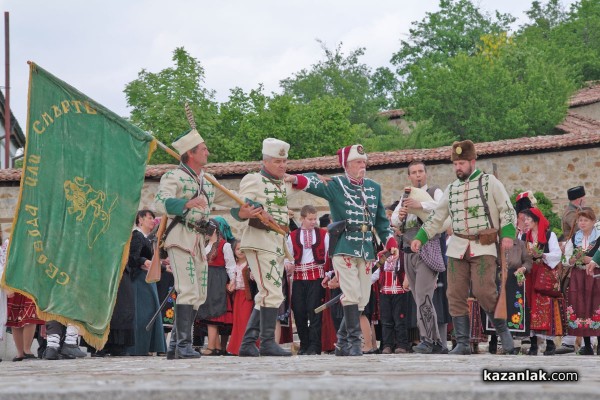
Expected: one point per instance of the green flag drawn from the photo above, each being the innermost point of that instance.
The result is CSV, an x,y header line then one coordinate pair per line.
x,y
80,189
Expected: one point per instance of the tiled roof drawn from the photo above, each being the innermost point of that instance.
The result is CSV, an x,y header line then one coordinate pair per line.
x,y
393,114
578,131
587,95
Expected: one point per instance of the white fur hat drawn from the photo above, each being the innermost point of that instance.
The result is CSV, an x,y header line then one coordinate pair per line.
x,y
275,148
187,142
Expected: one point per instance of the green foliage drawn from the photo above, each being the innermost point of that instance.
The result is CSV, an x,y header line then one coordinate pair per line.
x,y
571,39
344,77
502,92
544,204
313,129
456,28
157,101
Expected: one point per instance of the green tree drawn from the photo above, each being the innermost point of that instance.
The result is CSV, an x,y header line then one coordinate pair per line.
x,y
313,129
344,76
456,28
157,101
572,38
504,91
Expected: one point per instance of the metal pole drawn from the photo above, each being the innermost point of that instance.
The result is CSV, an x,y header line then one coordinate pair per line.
x,y
7,113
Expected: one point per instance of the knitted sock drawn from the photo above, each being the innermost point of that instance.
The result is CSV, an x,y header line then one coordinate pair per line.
x,y
53,340
72,335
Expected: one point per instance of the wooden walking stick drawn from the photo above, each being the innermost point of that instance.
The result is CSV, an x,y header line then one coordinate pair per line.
x,y
500,312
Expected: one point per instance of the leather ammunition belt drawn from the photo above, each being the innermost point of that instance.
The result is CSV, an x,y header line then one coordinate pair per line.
x,y
468,237
359,228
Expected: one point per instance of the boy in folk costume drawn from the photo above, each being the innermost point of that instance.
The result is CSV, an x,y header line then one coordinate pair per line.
x,y
308,246
356,204
480,210
186,197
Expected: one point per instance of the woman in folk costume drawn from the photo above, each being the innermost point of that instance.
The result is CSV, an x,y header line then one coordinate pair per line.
x,y
21,316
145,294
519,262
217,311
545,314
583,301
243,302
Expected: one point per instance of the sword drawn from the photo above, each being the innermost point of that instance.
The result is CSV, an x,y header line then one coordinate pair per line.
x,y
331,302
149,326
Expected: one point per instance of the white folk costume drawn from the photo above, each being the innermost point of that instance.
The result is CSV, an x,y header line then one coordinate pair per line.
x,y
358,202
472,264
185,239
423,277
265,252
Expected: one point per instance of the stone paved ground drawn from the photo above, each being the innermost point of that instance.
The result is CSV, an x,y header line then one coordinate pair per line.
x,y
374,377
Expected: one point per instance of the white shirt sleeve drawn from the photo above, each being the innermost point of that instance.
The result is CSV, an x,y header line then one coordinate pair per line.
x,y
229,261
326,240
568,252
375,276
554,255
396,216
291,249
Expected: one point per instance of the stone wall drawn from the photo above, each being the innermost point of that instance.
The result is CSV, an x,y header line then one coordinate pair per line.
x,y
550,172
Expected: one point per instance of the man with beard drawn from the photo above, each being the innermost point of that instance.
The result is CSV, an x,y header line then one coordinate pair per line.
x,y
357,209
480,210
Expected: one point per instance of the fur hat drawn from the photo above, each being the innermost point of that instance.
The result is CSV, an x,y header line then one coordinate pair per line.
x,y
575,193
187,141
464,150
351,153
275,148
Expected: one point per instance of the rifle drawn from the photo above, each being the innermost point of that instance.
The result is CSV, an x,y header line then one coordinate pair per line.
x,y
246,277
331,302
162,305
153,274
500,312
271,224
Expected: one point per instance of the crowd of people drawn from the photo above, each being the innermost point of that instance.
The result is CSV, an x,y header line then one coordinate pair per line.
x,y
409,277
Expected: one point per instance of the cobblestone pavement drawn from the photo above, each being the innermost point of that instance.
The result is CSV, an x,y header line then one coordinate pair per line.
x,y
376,377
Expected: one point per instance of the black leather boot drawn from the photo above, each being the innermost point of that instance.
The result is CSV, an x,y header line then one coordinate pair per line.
x,y
493,344
508,345
533,349
172,343
352,317
550,348
341,347
248,347
185,315
462,331
268,347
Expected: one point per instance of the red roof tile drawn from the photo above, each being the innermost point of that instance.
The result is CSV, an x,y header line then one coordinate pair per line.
x,y
392,114
578,131
585,96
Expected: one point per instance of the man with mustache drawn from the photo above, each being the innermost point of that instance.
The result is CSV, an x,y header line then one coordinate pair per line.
x,y
475,203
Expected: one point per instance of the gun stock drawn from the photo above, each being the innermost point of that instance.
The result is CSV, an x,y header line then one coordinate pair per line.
x,y
153,274
500,312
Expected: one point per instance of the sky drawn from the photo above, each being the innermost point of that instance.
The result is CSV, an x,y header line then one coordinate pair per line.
x,y
100,46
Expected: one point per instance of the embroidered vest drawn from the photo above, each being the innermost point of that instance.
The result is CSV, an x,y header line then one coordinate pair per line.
x,y
219,258
318,249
